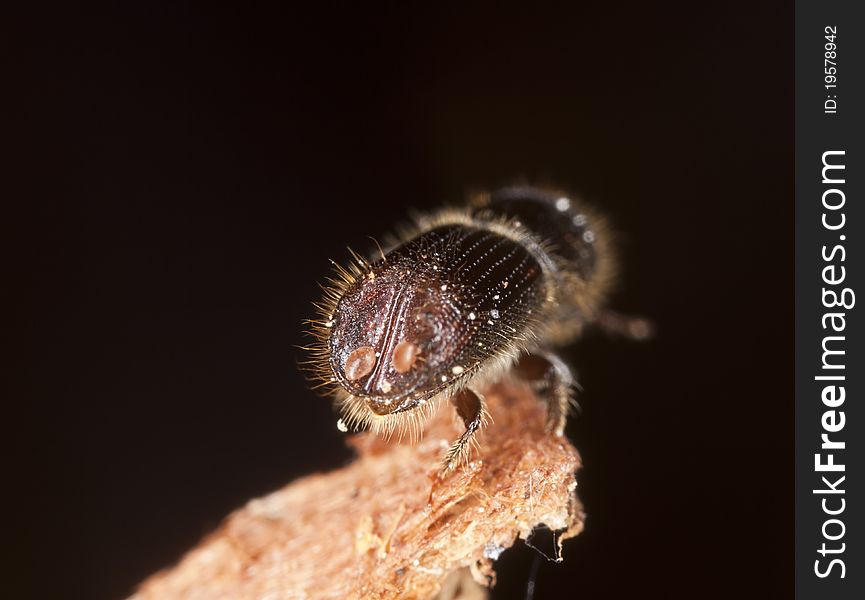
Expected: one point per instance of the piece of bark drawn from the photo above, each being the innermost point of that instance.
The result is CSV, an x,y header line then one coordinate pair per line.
x,y
387,526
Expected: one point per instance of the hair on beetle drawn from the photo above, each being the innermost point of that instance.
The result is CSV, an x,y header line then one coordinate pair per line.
x,y
463,297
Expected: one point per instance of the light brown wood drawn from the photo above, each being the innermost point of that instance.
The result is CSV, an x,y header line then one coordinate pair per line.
x,y
387,525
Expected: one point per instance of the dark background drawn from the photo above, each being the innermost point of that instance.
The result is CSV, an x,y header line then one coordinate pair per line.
x,y
189,171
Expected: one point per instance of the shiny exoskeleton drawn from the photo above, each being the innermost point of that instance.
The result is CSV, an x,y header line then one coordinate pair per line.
x,y
466,297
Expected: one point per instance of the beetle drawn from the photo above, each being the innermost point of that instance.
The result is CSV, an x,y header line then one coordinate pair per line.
x,y
463,297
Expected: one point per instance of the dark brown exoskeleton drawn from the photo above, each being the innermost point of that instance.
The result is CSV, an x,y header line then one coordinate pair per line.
x,y
464,297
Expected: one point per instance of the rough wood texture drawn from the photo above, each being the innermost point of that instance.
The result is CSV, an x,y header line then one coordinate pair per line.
x,y
387,526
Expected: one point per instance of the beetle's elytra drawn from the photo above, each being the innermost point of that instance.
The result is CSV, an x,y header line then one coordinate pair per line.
x,y
465,297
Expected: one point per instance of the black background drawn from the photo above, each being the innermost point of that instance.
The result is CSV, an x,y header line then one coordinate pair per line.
x,y
189,171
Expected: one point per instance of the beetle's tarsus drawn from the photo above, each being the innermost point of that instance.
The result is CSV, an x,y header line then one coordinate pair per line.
x,y
470,407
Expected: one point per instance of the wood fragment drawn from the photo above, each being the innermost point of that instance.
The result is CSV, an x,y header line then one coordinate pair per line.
x,y
388,525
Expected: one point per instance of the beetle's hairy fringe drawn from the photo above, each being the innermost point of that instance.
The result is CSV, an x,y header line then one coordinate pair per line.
x,y
357,415
316,367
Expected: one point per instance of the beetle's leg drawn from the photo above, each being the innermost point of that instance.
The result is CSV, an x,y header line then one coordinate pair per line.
x,y
553,381
638,329
470,407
